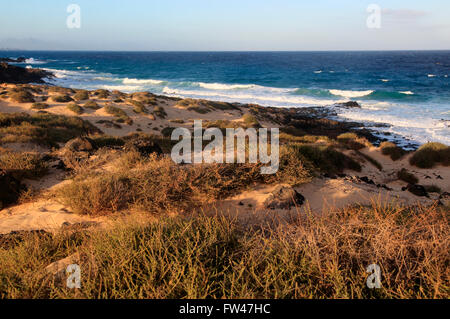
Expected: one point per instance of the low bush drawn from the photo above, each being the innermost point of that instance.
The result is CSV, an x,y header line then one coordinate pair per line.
x,y
91,105
353,141
22,97
81,95
392,150
62,98
159,112
431,154
75,108
22,165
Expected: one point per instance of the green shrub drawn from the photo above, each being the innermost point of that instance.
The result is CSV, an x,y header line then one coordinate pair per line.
x,y
62,98
250,121
75,108
431,154
81,95
91,105
22,97
392,150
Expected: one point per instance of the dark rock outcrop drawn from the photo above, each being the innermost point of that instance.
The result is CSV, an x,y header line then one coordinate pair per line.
x,y
10,188
284,197
348,104
19,75
417,190
9,60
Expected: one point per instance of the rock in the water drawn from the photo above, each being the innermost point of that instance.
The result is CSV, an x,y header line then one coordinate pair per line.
x,y
17,74
417,190
143,146
79,144
348,104
284,197
10,189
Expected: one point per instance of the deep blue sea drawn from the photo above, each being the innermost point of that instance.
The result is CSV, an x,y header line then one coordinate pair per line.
x,y
408,90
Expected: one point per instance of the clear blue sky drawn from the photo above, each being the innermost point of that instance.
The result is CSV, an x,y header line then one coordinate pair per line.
x,y
225,25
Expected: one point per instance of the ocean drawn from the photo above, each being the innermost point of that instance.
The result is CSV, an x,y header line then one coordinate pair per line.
x,y
408,91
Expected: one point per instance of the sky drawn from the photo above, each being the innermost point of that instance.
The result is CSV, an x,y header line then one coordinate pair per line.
x,y
225,25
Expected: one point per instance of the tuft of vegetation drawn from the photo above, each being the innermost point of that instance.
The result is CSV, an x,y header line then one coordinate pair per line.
x,y
44,129
101,94
22,96
62,98
139,107
407,177
326,159
75,108
22,164
392,150
250,121
39,106
431,154
353,141
91,105
160,112
81,95
122,116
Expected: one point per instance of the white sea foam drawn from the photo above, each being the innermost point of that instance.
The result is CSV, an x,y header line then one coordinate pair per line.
x,y
431,75
407,92
385,80
350,94
142,82
220,86
318,72
33,61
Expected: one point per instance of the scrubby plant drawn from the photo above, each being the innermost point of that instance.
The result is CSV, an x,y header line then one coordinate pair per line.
x,y
392,150
159,111
75,108
22,96
138,107
81,95
62,98
122,116
250,121
431,154
22,164
101,94
39,106
91,105
353,141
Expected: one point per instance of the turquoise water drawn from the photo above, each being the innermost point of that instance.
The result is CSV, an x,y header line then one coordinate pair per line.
x,y
408,90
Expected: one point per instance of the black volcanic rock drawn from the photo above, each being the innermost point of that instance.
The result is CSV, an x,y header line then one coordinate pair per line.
x,y
18,60
19,75
10,188
348,104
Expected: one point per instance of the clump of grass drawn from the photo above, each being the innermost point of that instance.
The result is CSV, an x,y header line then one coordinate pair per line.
x,y
326,159
81,95
250,121
62,98
23,165
45,129
215,257
160,112
22,96
407,177
122,116
431,154
199,106
353,141
75,108
39,106
138,107
101,94
61,90
392,150
91,105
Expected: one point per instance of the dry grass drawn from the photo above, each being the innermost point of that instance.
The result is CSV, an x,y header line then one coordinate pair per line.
x,y
74,107
392,150
353,141
22,165
213,257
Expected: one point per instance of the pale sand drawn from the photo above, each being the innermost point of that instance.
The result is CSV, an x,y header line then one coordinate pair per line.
x,y
320,194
